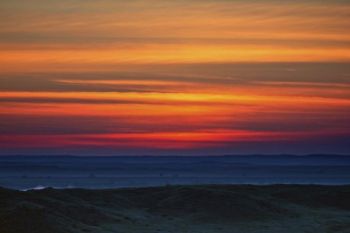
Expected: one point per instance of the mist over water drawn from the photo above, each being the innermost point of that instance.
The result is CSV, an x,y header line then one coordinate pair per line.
x,y
28,172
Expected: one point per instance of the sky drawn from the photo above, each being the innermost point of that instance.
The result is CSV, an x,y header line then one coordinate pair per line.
x,y
180,77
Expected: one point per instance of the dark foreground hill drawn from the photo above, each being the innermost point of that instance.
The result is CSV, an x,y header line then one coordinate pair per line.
x,y
178,209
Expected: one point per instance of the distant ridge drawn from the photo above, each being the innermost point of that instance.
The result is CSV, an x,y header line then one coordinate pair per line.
x,y
179,156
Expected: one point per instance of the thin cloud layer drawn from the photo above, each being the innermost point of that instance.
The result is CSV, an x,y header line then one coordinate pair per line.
x,y
165,77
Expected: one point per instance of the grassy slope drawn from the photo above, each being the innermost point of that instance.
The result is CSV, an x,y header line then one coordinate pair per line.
x,y
279,208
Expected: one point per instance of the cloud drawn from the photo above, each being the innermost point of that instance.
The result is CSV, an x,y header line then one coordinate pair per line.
x,y
91,35
160,76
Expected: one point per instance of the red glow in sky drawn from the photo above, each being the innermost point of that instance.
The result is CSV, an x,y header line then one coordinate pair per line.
x,y
174,77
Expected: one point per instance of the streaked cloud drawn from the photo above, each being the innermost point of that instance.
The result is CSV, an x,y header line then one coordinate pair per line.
x,y
84,34
186,76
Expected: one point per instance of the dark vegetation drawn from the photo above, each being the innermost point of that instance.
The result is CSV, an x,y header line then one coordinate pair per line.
x,y
79,210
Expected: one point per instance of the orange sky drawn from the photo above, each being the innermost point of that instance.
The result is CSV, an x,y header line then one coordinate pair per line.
x,y
165,77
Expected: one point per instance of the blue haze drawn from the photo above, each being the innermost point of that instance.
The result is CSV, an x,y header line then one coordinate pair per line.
x,y
28,172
